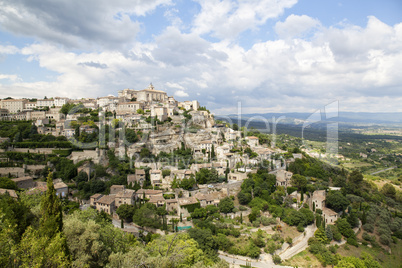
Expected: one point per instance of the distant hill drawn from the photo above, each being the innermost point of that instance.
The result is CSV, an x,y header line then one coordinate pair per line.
x,y
343,117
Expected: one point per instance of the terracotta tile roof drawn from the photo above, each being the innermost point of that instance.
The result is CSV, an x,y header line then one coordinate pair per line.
x,y
107,200
139,172
128,193
156,198
12,193
96,196
22,179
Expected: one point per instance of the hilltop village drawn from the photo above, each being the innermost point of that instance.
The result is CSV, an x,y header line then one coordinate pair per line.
x,y
166,125
153,164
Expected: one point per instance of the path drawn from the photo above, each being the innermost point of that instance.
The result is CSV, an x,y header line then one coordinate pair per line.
x,y
128,227
383,170
236,261
299,246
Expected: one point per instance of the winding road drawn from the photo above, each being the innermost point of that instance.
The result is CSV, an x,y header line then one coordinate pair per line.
x,y
300,244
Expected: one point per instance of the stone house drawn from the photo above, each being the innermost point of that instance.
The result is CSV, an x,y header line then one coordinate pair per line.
x,y
94,198
148,193
139,177
129,107
329,215
159,112
12,193
61,189
182,174
252,141
157,200
205,145
189,105
318,199
156,177
183,202
13,105
106,203
283,178
207,199
24,182
237,176
171,204
126,196
114,189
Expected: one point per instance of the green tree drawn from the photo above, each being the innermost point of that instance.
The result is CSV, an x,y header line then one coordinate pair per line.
x,y
36,250
7,183
65,109
299,181
206,242
355,177
52,215
388,190
336,201
226,205
126,212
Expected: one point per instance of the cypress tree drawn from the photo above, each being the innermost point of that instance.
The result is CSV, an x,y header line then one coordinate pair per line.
x,y
52,215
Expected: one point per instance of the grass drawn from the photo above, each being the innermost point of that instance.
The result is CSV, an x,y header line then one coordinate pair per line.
x,y
303,259
385,259
290,231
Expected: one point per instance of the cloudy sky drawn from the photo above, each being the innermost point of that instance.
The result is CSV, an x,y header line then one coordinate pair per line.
x,y
270,55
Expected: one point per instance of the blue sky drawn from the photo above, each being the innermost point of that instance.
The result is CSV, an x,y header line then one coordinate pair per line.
x,y
269,55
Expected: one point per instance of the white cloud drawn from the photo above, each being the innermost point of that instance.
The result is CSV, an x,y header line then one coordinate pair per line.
x,y
181,93
8,49
359,66
11,77
93,23
174,85
226,19
295,26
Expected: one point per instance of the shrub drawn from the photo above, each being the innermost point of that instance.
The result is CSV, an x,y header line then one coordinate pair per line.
x,y
367,237
267,221
300,228
337,236
276,259
368,227
253,251
352,241
235,232
383,230
242,208
344,228
317,248
333,249
385,239
271,247
276,237
259,242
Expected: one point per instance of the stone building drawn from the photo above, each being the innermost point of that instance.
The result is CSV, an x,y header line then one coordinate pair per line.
x,y
126,196
24,182
106,203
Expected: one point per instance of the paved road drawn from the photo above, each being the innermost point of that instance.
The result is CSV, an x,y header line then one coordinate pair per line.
x,y
383,170
301,245
235,262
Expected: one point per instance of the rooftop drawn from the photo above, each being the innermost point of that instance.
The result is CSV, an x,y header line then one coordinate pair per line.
x,y
107,200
